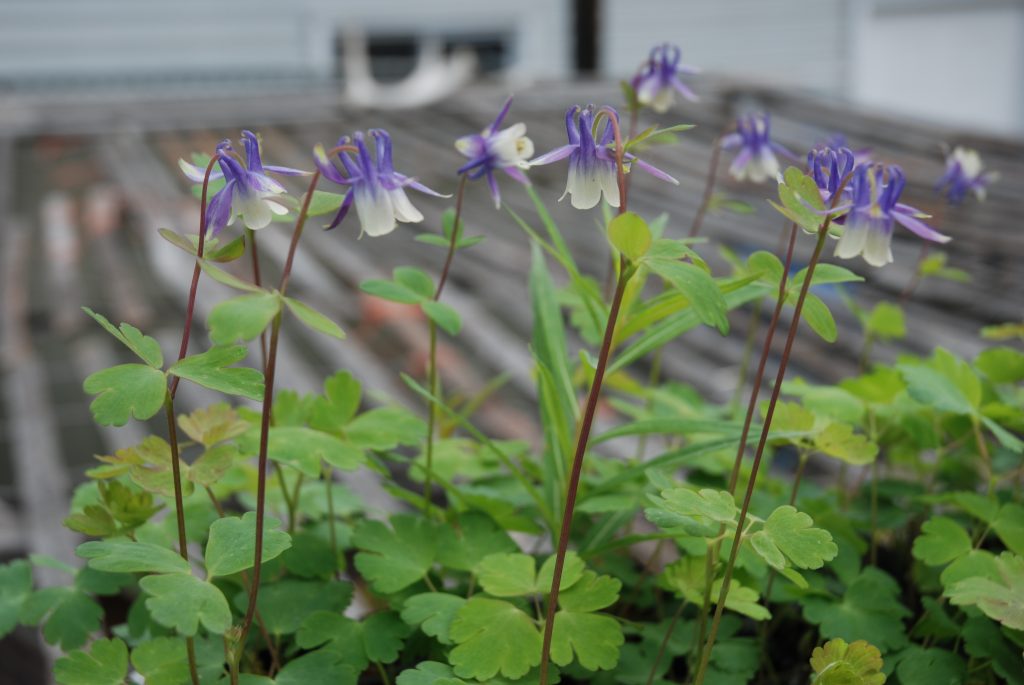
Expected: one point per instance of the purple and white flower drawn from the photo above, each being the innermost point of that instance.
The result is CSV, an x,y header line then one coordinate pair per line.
x,y
756,159
492,150
592,169
248,191
657,82
964,173
376,189
875,192
838,140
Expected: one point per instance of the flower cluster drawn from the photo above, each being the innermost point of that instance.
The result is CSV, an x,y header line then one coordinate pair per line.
x,y
965,173
657,82
870,204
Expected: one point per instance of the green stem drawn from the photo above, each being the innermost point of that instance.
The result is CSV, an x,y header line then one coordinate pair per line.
x,y
383,673
709,187
625,272
737,538
258,282
986,458
331,521
664,641
432,375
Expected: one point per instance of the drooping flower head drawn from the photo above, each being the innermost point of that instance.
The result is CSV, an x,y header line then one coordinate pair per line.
x,y
875,191
828,166
591,154
964,173
756,158
248,190
657,82
493,150
377,190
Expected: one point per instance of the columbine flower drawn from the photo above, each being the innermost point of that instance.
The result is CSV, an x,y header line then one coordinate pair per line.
x,y
875,192
493,150
756,159
376,188
248,191
592,160
964,172
658,80
828,167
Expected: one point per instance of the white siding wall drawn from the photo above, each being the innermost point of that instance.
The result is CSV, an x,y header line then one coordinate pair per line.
x,y
958,63
63,39
790,42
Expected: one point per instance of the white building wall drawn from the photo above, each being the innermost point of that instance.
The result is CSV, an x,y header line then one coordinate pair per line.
x,y
952,62
787,42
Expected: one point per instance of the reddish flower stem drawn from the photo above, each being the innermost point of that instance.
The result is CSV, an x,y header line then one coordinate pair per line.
x,y
588,416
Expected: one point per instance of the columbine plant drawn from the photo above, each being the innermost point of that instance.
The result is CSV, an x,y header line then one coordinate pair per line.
x,y
241,561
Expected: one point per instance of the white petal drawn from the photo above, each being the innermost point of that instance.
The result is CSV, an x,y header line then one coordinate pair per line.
x,y
511,146
276,208
583,187
852,242
609,184
663,100
376,215
254,210
404,211
877,248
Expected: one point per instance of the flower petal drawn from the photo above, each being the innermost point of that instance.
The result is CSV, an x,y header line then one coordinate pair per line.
x,y
555,155
917,226
197,174
376,214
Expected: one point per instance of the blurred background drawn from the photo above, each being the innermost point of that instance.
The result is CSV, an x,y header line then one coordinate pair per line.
x,y
100,98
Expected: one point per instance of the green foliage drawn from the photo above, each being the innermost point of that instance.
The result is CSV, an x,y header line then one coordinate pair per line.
x,y
1001,597
314,319
839,663
15,588
869,609
242,318
126,391
492,637
130,556
106,663
181,602
146,348
628,233
394,558
232,543
789,532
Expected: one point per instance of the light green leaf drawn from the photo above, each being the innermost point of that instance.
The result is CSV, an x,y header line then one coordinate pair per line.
x,y
433,612
162,661
284,605
314,319
304,448
838,440
443,315
106,663
212,369
393,559
221,276
790,532
942,540
378,638
212,464
385,428
1009,526
145,347
339,403
323,202
839,663
591,593
493,637
1001,599
213,424
886,321
181,601
628,233
595,639
120,555
508,575
243,317
698,287
768,264
825,273
1001,364
818,316
126,391
232,544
